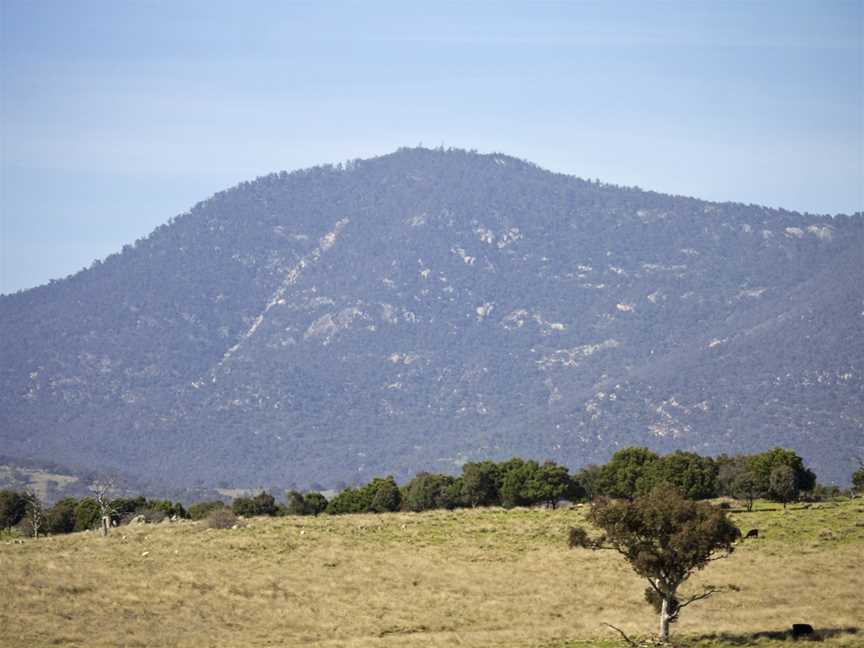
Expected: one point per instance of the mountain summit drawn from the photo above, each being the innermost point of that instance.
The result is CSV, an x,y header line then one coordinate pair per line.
x,y
417,310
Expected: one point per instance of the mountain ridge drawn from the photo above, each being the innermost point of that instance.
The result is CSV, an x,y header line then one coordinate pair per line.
x,y
427,307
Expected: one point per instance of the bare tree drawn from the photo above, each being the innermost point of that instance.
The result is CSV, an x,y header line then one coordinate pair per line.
x,y
35,511
102,488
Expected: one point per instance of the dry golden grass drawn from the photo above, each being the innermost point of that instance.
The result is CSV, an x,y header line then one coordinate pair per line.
x,y
468,578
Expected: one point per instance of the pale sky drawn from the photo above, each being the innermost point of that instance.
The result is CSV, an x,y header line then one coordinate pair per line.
x,y
118,115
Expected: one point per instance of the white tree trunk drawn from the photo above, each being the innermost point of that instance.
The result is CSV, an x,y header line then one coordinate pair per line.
x,y
106,524
664,620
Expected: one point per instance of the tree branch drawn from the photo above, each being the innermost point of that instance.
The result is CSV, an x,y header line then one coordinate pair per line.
x,y
621,632
709,590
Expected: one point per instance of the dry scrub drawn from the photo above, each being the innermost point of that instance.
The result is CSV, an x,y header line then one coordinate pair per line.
x,y
467,578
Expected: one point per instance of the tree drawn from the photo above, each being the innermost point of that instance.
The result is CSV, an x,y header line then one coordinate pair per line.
x,y
783,485
665,538
695,476
349,500
13,508
101,489
550,484
261,504
516,476
35,516
429,491
315,503
295,504
626,472
761,465
386,497
858,478
61,517
87,514
480,484
590,481
745,486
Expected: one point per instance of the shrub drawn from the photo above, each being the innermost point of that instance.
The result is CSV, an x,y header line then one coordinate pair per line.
x,y
154,515
223,518
201,510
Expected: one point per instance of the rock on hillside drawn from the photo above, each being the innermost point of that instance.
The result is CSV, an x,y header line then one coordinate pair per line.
x,y
425,308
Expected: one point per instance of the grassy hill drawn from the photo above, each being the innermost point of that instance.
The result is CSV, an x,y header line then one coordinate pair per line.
x,y
484,577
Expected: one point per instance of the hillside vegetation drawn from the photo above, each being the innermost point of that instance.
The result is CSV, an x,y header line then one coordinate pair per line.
x,y
426,308
471,577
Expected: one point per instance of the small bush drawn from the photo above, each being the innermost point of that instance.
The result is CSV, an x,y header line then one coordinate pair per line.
x,y
154,515
223,518
201,510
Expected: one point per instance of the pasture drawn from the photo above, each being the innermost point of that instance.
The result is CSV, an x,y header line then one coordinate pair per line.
x,y
483,577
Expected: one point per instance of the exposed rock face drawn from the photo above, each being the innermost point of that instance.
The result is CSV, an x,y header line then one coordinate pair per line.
x,y
416,310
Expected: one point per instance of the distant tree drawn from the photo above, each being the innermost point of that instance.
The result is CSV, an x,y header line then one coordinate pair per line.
x,y
386,496
87,514
783,484
348,500
665,538
480,484
429,491
102,488
551,483
125,507
822,492
762,464
516,477
728,469
261,504
265,504
35,517
13,508
315,502
625,473
858,478
590,481
60,518
746,486
694,475
295,504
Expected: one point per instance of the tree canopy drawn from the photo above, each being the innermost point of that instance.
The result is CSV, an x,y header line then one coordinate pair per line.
x,y
665,538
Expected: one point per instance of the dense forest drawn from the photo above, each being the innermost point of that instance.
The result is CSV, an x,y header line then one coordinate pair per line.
x,y
426,309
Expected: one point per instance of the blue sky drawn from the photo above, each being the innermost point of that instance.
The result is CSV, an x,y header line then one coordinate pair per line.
x,y
118,115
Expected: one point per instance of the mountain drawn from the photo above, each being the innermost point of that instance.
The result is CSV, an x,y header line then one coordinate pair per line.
x,y
417,310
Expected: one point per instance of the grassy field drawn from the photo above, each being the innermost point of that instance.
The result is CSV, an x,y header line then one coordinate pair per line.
x,y
486,577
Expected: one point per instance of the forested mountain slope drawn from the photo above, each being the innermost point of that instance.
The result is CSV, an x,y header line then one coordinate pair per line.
x,y
419,309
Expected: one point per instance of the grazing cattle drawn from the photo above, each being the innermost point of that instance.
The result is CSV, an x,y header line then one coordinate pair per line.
x,y
801,629
752,533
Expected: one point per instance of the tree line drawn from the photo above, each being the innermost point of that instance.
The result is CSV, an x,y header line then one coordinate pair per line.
x,y
779,475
